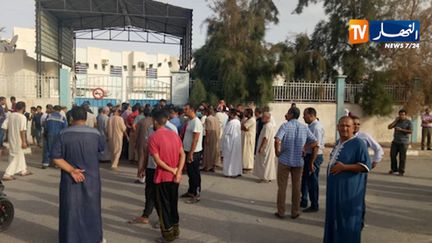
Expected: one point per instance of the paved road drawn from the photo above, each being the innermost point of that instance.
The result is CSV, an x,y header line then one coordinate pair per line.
x,y
399,209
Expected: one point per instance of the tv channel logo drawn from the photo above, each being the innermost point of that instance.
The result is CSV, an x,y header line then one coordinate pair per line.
x,y
362,31
358,31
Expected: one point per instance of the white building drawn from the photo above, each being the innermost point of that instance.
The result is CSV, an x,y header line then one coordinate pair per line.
x,y
18,69
133,76
123,76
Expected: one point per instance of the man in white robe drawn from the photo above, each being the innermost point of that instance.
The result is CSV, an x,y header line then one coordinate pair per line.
x,y
265,161
232,147
222,116
16,126
248,128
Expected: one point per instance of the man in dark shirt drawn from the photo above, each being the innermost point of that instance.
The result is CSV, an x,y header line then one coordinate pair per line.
x,y
36,123
2,119
69,115
53,125
13,103
402,129
259,125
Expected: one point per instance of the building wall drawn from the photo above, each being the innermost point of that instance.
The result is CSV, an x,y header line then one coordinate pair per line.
x,y
94,56
26,40
22,65
375,126
134,66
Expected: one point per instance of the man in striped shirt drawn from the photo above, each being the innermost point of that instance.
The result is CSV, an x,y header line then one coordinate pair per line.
x,y
290,140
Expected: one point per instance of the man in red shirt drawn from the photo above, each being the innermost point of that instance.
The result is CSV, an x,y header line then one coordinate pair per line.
x,y
167,151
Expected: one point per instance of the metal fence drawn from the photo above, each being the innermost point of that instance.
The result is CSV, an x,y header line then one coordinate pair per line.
x,y
84,85
134,89
29,86
143,88
326,92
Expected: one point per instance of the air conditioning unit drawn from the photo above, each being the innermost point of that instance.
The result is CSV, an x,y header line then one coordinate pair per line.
x,y
141,64
80,92
105,61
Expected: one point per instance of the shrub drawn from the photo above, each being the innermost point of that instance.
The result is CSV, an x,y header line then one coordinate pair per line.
x,y
375,99
198,93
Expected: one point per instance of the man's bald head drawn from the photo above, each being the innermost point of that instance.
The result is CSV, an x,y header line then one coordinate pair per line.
x,y
345,128
346,119
266,116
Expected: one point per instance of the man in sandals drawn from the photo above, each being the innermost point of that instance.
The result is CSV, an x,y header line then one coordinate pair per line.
x,y
16,126
167,151
147,169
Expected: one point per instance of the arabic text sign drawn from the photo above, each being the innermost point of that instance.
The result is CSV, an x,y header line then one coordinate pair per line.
x,y
363,31
395,31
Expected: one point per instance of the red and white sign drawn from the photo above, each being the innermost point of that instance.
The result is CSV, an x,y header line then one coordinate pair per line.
x,y
98,93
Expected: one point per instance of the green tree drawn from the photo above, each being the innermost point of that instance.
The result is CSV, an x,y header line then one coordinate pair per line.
x,y
198,93
235,54
283,59
331,36
212,98
412,67
375,99
310,64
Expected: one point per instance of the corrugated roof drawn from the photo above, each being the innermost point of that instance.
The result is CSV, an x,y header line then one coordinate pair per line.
x,y
101,14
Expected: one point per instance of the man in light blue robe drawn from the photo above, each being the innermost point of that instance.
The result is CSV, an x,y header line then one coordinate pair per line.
x,y
76,153
346,186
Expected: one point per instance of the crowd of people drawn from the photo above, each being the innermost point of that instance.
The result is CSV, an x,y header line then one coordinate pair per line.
x,y
166,141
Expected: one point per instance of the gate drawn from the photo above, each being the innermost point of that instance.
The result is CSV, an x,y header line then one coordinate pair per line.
x,y
133,89
84,84
147,90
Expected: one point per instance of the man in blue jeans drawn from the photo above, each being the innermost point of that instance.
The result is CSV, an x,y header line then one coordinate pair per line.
x,y
55,122
310,180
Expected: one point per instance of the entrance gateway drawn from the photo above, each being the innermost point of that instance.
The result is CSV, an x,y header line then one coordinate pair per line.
x,y
59,23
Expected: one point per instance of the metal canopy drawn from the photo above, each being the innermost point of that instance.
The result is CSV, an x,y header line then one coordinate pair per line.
x,y
168,24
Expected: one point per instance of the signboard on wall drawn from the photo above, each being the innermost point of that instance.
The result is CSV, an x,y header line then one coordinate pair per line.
x,y
180,88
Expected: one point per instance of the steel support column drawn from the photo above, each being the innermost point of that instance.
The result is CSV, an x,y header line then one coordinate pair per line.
x,y
340,99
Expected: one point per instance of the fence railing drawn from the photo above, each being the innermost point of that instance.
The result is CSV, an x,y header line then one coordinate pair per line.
x,y
29,86
84,85
326,92
131,88
147,88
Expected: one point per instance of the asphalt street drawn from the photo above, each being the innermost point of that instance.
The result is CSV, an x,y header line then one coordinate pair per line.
x,y
399,209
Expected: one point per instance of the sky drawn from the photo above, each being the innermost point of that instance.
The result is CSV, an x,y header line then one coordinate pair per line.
x,y
22,14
